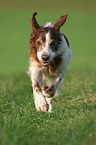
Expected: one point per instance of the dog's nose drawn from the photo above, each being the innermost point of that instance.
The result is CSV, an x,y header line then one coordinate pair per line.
x,y
45,57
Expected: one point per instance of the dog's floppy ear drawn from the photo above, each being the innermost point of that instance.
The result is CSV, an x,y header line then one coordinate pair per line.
x,y
60,22
34,23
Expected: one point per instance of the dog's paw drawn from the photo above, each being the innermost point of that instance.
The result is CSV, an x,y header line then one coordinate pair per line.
x,y
40,103
48,91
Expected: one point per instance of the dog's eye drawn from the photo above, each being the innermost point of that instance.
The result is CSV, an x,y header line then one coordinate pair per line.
x,y
53,43
38,43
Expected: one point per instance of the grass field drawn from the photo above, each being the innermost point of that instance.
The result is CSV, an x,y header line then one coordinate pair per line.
x,y
73,121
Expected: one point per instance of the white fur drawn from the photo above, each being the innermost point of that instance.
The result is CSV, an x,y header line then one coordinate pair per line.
x,y
47,50
40,74
48,24
40,102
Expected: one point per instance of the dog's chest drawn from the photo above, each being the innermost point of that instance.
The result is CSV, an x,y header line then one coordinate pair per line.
x,y
48,77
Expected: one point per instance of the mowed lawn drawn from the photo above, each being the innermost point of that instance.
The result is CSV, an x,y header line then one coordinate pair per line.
x,y
73,121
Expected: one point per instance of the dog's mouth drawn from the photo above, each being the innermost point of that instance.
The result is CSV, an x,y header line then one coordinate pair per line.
x,y
45,63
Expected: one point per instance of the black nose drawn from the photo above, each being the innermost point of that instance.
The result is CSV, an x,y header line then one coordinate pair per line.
x,y
45,57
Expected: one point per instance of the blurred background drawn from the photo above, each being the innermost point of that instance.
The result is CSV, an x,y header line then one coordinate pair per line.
x,y
15,30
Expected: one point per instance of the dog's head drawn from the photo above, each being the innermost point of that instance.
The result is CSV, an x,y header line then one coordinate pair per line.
x,y
45,40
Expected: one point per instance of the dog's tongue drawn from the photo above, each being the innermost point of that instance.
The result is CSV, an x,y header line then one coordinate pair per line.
x,y
45,64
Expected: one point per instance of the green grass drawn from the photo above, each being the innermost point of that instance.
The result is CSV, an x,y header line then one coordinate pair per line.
x,y
73,121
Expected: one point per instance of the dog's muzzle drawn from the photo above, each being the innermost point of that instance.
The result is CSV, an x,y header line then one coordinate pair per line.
x,y
45,60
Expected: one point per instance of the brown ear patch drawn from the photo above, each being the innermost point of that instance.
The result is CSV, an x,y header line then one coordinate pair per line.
x,y
33,50
34,23
60,22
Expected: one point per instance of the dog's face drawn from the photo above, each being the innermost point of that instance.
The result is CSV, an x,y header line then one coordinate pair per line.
x,y
46,40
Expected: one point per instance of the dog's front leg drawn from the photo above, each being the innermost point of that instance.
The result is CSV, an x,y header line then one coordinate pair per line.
x,y
59,82
51,91
40,102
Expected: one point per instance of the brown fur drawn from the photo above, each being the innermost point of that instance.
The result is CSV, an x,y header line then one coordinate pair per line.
x,y
47,41
55,64
50,91
60,22
33,51
34,23
36,87
55,35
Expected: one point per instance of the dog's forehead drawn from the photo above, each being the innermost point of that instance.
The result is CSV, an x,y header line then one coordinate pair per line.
x,y
43,31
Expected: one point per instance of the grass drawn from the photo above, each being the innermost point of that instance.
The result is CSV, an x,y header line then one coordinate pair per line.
x,y
73,121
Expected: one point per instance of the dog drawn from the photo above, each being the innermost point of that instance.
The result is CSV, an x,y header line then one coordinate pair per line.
x,y
49,56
